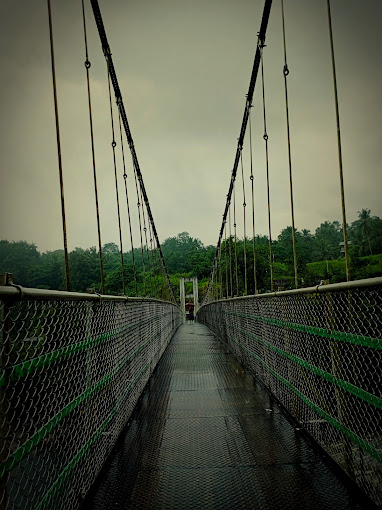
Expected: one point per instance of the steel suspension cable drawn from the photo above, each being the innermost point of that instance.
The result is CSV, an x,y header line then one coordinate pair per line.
x,y
128,204
158,274
147,247
58,138
220,288
249,97
113,146
230,251
344,224
121,107
159,280
153,262
140,231
216,282
252,178
151,240
244,227
163,284
235,234
214,293
87,67
226,260
265,137
285,74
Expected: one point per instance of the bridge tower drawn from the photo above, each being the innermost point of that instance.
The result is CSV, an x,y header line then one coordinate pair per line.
x,y
183,296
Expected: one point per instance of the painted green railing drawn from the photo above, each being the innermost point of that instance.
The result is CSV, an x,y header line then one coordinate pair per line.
x,y
319,352
72,369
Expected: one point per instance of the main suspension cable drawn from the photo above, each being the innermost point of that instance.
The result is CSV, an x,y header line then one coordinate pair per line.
x,y
147,247
235,234
252,178
128,204
60,171
226,260
266,137
230,250
153,263
285,74
121,107
244,227
113,146
220,274
140,231
249,97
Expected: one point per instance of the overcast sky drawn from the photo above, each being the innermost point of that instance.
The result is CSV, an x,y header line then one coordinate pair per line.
x,y
184,69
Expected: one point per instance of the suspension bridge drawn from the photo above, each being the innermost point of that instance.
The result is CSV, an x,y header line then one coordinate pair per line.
x,y
270,400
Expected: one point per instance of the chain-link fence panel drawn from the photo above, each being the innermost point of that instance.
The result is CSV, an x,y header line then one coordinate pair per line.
x,y
72,371
319,351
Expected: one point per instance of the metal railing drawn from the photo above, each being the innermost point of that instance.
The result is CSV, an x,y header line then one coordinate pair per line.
x,y
72,369
319,352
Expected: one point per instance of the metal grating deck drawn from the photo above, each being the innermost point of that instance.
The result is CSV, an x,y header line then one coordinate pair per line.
x,y
206,436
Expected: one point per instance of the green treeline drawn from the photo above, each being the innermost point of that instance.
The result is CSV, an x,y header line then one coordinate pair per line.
x,y
144,276
318,255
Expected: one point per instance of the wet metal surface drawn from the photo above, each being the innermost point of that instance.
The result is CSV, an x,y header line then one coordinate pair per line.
x,y
206,436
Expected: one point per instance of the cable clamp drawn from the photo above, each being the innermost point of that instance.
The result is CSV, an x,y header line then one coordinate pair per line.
x,y
20,289
285,70
87,64
321,284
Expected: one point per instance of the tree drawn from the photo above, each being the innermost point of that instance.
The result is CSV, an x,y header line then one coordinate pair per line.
x,y
366,233
328,237
283,248
111,257
50,273
18,257
84,269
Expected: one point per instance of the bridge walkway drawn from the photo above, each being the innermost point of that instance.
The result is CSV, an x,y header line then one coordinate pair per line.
x,y
205,435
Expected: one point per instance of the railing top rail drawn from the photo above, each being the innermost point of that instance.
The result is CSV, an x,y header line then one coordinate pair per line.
x,y
17,292
333,287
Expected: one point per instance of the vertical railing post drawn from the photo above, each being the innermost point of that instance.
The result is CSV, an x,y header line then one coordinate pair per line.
x,y
182,299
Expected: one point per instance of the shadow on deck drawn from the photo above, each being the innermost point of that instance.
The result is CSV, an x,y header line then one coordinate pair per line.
x,y
205,435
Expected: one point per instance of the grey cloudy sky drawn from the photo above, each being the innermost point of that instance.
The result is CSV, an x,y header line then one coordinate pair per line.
x,y
184,70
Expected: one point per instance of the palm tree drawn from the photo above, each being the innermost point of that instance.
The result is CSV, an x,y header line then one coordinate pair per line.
x,y
363,228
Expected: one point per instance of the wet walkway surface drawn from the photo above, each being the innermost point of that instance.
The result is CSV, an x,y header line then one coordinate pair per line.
x,y
205,435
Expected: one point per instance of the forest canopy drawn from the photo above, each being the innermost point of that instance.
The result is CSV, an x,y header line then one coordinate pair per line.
x,y
319,258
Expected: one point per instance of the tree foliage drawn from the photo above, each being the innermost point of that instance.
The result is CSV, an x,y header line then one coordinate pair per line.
x,y
318,258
